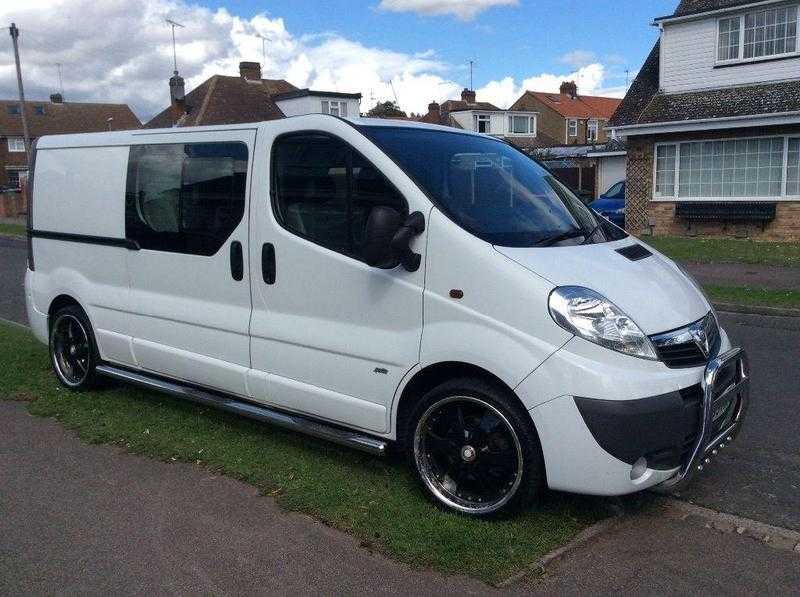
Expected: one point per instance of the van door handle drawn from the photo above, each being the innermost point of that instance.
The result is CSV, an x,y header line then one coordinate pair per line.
x,y
237,261
268,263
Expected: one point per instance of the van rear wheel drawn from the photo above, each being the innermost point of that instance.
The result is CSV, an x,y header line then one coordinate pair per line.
x,y
73,351
474,449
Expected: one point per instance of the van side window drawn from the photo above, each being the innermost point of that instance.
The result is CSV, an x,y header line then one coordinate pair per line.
x,y
185,198
324,190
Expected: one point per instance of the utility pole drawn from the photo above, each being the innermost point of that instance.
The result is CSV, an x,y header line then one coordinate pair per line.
x,y
173,24
14,35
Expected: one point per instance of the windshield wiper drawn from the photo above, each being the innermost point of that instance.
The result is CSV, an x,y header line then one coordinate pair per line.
x,y
574,233
591,233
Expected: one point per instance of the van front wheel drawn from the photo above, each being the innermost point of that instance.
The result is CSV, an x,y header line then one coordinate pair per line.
x,y
72,348
474,450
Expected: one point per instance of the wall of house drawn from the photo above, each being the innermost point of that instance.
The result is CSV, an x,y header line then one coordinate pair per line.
x,y
644,215
550,123
8,158
313,105
498,122
688,61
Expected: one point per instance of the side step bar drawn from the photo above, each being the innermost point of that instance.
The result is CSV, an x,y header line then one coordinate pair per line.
x,y
344,437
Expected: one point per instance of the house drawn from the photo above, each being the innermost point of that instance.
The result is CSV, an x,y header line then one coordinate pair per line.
x,y
712,123
247,98
567,118
517,126
54,117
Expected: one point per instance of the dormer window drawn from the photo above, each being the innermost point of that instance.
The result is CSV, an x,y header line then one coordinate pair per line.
x,y
334,108
758,35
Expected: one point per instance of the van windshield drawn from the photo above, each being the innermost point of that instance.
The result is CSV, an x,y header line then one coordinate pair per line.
x,y
491,189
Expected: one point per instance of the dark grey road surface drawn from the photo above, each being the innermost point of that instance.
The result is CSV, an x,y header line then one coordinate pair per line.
x,y
756,276
88,520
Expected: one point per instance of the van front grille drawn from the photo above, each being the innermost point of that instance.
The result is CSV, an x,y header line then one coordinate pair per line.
x,y
690,346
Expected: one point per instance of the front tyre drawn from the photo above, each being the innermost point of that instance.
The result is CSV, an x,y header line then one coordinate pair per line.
x,y
73,352
474,449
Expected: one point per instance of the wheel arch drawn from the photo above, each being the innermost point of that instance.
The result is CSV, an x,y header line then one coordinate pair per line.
x,y
58,303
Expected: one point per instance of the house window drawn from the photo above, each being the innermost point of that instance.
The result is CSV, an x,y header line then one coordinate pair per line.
x,y
16,144
737,168
729,39
13,109
572,127
758,34
793,169
665,170
522,125
14,176
592,131
38,110
334,108
482,123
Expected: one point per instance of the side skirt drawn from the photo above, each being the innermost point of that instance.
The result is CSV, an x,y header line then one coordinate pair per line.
x,y
318,429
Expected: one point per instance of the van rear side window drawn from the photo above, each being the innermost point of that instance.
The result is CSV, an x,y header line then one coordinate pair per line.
x,y
185,198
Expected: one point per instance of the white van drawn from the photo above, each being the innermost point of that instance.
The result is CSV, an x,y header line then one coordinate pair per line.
x,y
382,283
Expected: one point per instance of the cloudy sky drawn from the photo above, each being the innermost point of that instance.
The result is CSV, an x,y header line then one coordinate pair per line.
x,y
121,51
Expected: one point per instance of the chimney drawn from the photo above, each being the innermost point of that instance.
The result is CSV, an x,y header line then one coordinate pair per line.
x,y
434,109
57,98
468,95
250,71
177,96
569,88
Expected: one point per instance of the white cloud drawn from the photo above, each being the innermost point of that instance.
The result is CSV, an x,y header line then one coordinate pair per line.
x,y
121,51
466,10
578,58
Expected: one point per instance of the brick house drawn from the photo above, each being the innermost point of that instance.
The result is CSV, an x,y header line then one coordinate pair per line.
x,y
247,98
55,117
712,123
567,118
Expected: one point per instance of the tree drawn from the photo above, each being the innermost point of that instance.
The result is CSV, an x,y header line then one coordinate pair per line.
x,y
387,109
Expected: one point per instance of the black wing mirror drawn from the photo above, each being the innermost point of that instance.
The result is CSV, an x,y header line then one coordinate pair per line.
x,y
387,238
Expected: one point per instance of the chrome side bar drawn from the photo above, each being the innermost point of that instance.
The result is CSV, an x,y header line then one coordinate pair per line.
x,y
707,444
318,429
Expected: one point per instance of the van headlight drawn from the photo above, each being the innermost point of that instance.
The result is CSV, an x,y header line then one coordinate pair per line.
x,y
593,317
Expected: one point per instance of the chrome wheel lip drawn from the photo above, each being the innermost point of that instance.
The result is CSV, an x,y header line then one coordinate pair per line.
x,y
58,359
435,487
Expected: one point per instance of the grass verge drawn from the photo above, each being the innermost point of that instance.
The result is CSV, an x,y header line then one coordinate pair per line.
x,y
374,499
761,297
12,229
722,250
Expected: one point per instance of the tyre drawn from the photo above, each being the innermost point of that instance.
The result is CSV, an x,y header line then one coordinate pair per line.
x,y
474,449
73,351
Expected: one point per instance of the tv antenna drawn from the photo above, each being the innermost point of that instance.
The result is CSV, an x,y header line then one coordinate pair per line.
x,y
627,77
60,81
471,65
263,39
174,24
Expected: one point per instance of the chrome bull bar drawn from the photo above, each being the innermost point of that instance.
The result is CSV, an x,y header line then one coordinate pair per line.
x,y
728,404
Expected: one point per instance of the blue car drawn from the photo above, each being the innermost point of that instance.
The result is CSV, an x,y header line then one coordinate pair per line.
x,y
611,204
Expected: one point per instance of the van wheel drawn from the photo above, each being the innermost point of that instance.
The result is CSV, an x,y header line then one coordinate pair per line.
x,y
73,351
474,449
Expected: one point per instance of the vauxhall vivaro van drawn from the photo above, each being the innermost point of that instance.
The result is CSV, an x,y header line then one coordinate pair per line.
x,y
380,283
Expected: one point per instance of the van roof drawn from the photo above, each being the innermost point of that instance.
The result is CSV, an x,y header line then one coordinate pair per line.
x,y
305,120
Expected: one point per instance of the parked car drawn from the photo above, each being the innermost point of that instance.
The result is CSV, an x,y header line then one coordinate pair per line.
x,y
611,204
380,283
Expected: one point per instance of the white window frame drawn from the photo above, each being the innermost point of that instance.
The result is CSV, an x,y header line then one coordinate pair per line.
x,y
741,59
572,122
16,145
784,196
327,106
593,123
533,124
487,118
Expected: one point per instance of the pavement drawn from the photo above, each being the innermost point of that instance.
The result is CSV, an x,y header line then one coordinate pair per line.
x,y
773,277
77,518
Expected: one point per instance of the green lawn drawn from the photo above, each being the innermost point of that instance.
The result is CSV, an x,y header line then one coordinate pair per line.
x,y
372,498
743,295
13,229
713,250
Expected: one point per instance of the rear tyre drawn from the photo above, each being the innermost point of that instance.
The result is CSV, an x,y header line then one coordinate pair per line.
x,y
73,352
474,449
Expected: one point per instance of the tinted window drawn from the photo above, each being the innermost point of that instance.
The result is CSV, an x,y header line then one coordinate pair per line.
x,y
491,189
185,198
324,191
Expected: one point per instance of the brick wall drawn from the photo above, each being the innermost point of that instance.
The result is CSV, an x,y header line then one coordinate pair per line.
x,y
641,210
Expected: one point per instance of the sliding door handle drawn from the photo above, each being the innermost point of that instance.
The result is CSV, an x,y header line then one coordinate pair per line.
x,y
237,261
268,262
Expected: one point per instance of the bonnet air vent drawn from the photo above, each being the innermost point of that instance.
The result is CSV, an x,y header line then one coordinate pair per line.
x,y
634,252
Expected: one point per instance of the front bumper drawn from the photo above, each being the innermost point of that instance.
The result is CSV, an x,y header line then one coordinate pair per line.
x,y
726,396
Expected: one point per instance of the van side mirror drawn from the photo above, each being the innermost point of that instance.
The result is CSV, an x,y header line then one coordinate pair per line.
x,y
387,238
